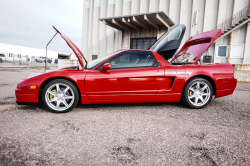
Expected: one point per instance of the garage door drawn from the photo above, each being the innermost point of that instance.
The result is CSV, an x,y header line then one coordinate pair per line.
x,y
142,43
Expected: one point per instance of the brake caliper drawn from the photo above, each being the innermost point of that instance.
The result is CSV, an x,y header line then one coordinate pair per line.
x,y
50,95
190,93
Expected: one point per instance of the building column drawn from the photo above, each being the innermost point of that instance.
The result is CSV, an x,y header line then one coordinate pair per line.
x,y
185,18
210,19
90,29
174,11
153,5
164,6
225,11
239,35
102,29
144,6
110,30
246,58
85,28
126,34
135,7
118,33
95,32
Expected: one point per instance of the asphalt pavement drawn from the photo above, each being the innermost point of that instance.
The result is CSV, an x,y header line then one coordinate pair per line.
x,y
124,134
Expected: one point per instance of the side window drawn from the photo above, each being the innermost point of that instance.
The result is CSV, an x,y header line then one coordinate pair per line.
x,y
132,59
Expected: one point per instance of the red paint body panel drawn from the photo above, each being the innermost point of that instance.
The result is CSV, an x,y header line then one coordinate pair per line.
x,y
224,92
140,85
32,98
163,83
197,45
158,98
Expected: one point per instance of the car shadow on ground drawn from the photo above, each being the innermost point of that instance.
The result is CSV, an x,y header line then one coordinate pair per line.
x,y
127,105
40,107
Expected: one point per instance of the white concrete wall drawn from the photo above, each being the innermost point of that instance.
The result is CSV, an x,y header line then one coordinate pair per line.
x,y
186,17
101,39
246,59
225,12
239,36
174,11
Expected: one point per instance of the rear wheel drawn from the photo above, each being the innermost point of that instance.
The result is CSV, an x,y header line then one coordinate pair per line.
x,y
60,96
197,93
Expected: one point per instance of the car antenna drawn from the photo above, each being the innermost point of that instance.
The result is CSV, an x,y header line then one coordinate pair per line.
x,y
46,52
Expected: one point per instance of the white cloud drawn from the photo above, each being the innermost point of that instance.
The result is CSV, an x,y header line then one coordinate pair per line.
x,y
29,22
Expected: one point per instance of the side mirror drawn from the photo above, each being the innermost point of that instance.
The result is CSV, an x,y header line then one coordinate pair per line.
x,y
105,67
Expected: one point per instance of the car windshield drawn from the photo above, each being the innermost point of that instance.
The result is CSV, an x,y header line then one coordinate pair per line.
x,y
95,62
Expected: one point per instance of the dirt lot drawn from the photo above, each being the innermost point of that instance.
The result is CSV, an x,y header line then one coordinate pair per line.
x,y
124,134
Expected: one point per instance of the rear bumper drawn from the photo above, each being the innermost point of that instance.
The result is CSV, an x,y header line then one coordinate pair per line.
x,y
224,92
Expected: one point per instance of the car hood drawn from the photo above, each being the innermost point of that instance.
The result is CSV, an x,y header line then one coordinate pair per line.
x,y
75,49
196,46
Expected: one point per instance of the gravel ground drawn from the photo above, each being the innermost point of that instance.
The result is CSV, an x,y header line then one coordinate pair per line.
x,y
124,134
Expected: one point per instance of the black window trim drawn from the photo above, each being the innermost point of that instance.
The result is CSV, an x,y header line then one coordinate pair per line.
x,y
128,67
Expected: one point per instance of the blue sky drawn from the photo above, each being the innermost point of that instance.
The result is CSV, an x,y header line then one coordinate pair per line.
x,y
29,23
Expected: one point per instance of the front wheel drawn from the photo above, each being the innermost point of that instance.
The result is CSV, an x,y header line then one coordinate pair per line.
x,y
60,96
197,93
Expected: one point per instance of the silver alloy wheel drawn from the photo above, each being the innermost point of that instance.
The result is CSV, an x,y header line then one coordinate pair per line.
x,y
59,97
199,93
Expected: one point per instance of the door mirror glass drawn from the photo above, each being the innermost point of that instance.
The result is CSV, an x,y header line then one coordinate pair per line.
x,y
105,67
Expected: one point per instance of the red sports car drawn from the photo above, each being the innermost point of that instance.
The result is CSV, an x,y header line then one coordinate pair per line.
x,y
158,74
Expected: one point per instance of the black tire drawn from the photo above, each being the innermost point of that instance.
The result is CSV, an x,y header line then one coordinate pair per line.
x,y
188,97
1,61
73,90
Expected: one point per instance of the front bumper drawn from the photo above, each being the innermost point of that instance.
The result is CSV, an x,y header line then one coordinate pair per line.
x,y
27,103
26,98
24,94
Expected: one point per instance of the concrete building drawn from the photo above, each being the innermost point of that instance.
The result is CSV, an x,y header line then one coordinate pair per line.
x,y
109,25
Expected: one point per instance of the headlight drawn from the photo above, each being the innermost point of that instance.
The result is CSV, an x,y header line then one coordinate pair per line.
x,y
34,74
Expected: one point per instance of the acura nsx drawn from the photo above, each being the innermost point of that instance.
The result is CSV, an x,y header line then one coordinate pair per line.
x,y
159,74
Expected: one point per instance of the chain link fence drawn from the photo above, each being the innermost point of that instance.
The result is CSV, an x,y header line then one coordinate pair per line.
x,y
18,60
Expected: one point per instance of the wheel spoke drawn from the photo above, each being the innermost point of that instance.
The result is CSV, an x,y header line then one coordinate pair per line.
x,y
65,103
66,89
198,85
204,87
196,100
52,93
205,94
202,100
51,100
191,88
192,96
68,97
58,104
57,88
